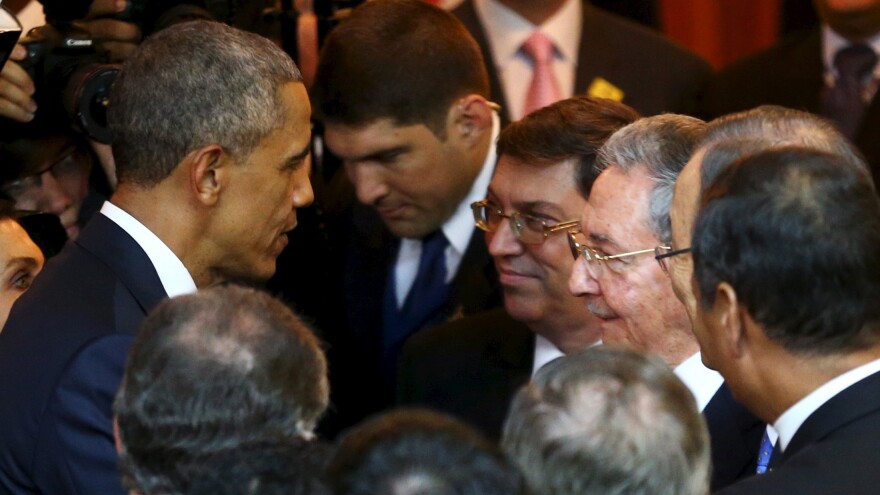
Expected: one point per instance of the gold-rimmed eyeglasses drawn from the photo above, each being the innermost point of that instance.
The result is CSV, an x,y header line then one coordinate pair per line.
x,y
526,228
616,263
663,253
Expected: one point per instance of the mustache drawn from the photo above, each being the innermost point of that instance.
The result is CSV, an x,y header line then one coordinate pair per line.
x,y
600,309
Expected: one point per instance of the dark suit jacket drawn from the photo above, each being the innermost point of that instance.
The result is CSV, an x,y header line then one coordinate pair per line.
x,y
735,435
655,75
788,74
834,451
62,354
354,347
470,368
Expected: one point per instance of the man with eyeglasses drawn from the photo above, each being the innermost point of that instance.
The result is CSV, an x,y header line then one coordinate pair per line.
x,y
471,368
47,169
626,218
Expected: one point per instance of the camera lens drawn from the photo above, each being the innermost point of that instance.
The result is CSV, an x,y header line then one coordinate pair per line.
x,y
85,98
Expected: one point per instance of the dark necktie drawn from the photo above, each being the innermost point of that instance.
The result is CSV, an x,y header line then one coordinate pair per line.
x,y
424,302
843,103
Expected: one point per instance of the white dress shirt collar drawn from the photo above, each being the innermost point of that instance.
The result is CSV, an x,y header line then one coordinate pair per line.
x,y
792,419
507,30
545,352
174,276
832,42
700,380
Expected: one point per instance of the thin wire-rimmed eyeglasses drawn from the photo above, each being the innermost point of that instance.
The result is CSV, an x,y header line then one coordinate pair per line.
x,y
616,263
663,253
526,228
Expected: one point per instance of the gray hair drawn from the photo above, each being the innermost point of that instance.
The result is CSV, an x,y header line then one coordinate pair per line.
x,y
611,422
662,144
213,371
734,136
191,85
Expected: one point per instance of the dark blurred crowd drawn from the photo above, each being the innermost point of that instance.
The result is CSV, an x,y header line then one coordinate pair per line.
x,y
506,247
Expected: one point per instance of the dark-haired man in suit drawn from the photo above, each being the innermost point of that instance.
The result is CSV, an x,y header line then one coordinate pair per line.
x,y
831,70
472,367
401,90
789,319
586,51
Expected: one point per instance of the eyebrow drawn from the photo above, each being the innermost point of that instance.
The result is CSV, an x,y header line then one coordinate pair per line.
x,y
382,154
294,160
534,206
27,261
602,239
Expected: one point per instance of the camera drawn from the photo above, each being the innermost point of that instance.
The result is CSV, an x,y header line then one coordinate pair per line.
x,y
71,76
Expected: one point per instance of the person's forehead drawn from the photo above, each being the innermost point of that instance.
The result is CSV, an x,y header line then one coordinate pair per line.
x,y
519,181
618,205
15,242
359,141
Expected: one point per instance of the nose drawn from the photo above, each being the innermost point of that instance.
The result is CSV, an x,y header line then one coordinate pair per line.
x,y
582,282
503,242
368,182
303,194
53,197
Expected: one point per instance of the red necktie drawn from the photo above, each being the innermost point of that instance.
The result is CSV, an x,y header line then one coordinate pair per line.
x,y
544,89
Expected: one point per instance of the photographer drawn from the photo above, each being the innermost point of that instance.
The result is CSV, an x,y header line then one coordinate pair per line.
x,y
117,38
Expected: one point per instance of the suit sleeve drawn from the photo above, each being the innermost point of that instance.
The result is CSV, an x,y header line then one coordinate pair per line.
x,y
76,452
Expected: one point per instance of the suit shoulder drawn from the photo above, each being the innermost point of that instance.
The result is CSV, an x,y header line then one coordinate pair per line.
x,y
470,333
644,42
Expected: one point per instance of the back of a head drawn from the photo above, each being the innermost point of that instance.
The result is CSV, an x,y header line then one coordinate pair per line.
x,y
736,135
405,60
212,371
415,452
191,85
662,145
292,467
807,268
611,422
571,129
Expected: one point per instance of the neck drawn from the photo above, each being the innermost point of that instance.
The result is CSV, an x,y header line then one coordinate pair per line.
x,y
172,223
536,12
788,378
569,335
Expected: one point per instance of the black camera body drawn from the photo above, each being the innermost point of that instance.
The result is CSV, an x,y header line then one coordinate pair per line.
x,y
71,76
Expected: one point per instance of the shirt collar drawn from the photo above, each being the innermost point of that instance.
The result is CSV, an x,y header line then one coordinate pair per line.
x,y
792,419
507,30
545,352
460,226
175,278
700,380
832,42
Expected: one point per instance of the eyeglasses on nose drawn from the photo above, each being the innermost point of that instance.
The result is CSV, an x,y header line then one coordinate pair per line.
x,y
597,261
526,228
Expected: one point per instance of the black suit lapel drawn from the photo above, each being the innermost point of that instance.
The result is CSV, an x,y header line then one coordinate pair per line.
x,y
107,241
735,435
849,405
591,57
475,286
467,14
